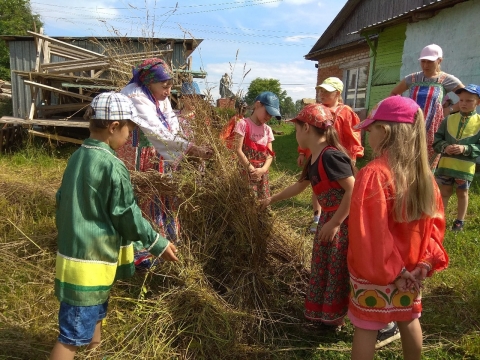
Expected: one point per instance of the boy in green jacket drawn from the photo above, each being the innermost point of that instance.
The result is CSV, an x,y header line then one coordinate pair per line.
x,y
97,219
458,140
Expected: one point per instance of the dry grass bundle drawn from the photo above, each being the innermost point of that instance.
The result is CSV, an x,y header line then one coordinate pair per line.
x,y
240,278
253,261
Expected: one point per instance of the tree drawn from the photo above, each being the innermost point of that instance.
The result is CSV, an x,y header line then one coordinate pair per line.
x,y
260,85
298,106
288,107
15,19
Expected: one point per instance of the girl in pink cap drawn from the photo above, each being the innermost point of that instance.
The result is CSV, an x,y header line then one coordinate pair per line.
x,y
427,88
329,171
396,229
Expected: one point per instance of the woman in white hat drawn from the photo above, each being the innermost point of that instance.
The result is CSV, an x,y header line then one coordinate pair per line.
x,y
427,88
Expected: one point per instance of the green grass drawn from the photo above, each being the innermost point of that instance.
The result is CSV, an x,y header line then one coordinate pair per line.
x,y
451,300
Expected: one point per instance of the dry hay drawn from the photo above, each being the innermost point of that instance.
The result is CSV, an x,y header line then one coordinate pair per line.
x,y
240,279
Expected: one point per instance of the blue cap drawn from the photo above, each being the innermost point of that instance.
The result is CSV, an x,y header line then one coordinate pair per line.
x,y
271,103
471,88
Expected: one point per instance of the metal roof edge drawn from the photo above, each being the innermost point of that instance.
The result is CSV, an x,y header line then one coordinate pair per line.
x,y
347,9
81,38
407,14
314,56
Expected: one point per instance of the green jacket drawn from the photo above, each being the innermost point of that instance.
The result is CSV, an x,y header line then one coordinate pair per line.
x,y
97,218
462,129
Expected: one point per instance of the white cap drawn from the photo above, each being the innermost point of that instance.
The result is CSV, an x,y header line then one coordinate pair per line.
x,y
431,52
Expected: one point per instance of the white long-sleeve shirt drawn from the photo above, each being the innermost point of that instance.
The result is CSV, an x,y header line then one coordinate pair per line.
x,y
169,142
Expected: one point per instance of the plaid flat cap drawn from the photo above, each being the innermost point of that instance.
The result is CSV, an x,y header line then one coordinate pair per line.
x,y
115,107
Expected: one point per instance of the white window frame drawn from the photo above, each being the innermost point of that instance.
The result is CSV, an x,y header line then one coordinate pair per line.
x,y
350,66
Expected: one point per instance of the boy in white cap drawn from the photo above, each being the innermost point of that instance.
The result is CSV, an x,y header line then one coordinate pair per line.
x,y
97,219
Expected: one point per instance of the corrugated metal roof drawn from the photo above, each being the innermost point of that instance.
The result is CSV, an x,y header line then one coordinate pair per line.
x,y
406,14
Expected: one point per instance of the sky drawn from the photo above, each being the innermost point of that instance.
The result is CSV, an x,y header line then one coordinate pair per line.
x,y
266,38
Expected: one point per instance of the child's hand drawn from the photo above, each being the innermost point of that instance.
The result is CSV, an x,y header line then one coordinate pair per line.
x,y
407,281
454,149
328,231
265,202
257,173
169,253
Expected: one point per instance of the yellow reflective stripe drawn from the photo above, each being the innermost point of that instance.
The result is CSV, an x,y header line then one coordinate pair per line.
x,y
126,255
472,128
85,272
457,164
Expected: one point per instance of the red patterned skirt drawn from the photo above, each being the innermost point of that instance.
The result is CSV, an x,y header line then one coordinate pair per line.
x,y
327,295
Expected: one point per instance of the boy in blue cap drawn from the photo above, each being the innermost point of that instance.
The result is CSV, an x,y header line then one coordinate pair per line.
x,y
253,143
97,219
458,140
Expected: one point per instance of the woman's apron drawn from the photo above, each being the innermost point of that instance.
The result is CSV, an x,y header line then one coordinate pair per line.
x,y
429,96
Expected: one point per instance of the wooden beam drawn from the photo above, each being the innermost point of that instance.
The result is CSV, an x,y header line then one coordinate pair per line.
x,y
80,67
58,91
55,109
67,78
34,94
44,122
72,62
55,137
67,45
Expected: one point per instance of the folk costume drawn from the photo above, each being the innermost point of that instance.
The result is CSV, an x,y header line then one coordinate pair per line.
x,y
255,147
158,144
327,295
94,243
379,247
428,93
462,129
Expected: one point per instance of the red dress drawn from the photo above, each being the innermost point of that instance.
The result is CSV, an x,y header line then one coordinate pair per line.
x,y
379,247
327,296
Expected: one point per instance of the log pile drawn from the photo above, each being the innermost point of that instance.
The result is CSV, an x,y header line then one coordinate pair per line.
x,y
5,91
62,90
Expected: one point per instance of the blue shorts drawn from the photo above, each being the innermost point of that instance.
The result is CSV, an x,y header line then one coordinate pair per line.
x,y
77,323
448,180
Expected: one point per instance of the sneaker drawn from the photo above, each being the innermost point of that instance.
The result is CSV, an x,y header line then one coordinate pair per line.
x,y
387,335
458,225
313,226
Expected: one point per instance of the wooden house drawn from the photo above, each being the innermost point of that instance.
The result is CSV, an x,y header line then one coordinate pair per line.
x,y
372,44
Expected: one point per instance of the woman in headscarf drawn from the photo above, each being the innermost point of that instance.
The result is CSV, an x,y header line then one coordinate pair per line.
x,y
427,88
157,144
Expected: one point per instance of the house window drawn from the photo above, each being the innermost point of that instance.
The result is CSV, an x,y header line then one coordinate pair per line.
x,y
355,92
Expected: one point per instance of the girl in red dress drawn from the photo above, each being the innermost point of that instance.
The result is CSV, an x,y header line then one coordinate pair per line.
x,y
396,229
330,173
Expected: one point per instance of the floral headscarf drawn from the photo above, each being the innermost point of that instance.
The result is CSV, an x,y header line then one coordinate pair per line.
x,y
151,71
317,115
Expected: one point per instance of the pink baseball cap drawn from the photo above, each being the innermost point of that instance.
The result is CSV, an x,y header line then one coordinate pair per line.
x,y
431,52
394,109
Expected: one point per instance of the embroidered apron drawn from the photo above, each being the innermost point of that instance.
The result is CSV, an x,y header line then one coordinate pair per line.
x,y
429,96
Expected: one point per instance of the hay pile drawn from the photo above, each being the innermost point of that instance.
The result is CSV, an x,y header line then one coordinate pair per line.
x,y
236,291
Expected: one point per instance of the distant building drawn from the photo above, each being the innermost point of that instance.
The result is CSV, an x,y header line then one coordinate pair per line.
x,y
372,44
